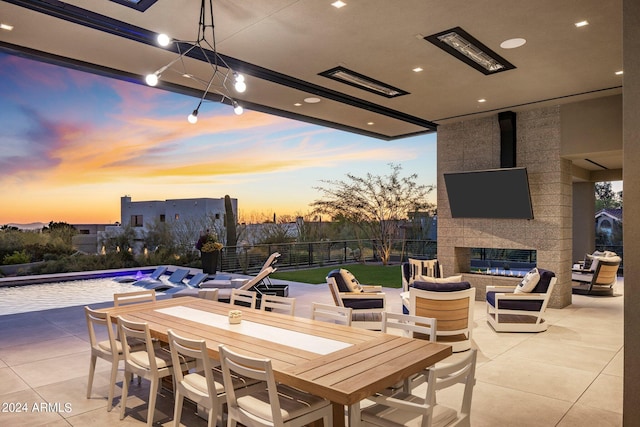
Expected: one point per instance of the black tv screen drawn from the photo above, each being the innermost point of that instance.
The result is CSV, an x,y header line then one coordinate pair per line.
x,y
494,193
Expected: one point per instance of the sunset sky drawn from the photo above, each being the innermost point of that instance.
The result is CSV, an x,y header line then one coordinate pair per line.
x,y
73,143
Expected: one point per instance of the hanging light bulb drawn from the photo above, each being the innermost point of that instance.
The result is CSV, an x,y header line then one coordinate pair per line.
x,y
164,40
151,79
193,117
204,48
240,85
237,108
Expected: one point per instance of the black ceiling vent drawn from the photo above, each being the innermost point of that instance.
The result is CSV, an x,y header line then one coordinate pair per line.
x,y
361,81
470,50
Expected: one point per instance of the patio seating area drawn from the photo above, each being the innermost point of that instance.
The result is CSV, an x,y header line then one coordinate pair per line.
x,y
569,375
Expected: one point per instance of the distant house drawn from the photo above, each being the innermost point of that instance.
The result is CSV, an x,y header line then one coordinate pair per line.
x,y
141,215
87,238
144,213
609,226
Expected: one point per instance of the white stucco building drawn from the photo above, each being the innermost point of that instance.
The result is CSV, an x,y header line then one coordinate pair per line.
x,y
144,213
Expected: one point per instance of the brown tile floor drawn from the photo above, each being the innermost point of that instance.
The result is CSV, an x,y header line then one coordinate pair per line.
x,y
570,375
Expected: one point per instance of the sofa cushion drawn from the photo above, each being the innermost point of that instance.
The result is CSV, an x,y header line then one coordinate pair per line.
x,y
514,304
442,286
360,303
529,282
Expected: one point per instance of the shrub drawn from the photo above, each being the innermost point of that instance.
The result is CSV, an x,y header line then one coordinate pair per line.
x,y
17,257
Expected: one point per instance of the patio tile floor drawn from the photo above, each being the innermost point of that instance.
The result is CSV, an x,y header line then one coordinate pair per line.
x,y
570,375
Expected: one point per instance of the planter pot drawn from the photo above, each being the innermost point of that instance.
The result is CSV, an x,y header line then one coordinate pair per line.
x,y
210,261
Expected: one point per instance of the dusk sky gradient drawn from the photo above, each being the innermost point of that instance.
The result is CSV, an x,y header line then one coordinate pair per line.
x,y
73,143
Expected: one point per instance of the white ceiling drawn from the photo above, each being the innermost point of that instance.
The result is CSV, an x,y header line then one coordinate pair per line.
x,y
282,45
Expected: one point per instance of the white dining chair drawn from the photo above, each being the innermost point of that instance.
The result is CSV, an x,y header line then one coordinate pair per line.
x,y
286,305
407,409
151,363
411,327
109,349
243,298
273,405
331,313
205,385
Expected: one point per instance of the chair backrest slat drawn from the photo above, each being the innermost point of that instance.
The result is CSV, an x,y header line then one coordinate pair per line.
x,y
126,298
410,325
209,294
331,313
278,304
243,297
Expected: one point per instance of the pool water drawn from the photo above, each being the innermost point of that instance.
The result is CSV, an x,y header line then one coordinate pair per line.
x,y
22,299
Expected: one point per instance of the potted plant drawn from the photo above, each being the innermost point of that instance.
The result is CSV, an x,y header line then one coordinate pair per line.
x,y
209,252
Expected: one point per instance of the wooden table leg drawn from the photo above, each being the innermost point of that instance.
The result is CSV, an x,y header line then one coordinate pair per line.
x,y
338,415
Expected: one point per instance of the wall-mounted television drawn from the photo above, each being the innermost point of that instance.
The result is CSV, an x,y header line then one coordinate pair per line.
x,y
492,193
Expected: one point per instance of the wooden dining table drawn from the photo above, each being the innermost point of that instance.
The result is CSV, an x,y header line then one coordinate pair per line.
x,y
340,363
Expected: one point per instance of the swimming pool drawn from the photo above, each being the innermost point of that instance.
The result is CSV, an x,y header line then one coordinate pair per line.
x,y
45,296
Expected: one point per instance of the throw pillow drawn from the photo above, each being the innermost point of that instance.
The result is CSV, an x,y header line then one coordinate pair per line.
x,y
528,283
351,281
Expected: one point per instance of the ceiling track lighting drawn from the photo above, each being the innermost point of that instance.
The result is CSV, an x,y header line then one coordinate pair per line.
x,y
222,75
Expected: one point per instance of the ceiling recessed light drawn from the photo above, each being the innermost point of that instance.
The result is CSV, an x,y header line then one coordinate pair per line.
x,y
6,27
482,100
370,123
297,104
581,24
619,73
312,100
512,43
338,4
418,69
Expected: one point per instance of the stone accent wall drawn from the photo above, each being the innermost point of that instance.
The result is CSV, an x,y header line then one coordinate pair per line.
x,y
474,145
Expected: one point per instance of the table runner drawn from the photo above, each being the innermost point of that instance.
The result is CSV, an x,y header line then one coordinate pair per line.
x,y
312,343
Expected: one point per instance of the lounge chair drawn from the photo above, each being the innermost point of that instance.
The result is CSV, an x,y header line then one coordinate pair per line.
x,y
225,293
368,302
192,286
451,303
509,310
175,279
600,282
155,275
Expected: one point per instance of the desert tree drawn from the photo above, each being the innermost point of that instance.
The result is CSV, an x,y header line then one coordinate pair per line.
x,y
377,205
606,197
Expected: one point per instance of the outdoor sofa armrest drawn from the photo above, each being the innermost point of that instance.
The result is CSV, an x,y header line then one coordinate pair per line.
x,y
500,288
371,288
521,296
362,295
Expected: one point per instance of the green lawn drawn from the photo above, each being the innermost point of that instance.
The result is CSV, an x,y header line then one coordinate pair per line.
x,y
388,276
